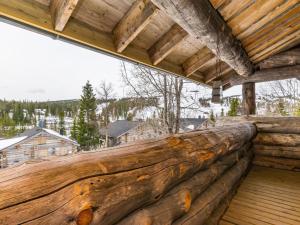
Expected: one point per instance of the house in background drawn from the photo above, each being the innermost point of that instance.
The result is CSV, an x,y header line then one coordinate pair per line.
x,y
36,143
123,131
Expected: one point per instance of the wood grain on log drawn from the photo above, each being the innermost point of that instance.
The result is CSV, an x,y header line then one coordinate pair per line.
x,y
107,186
276,162
287,58
204,206
178,201
277,151
201,20
249,106
292,140
264,75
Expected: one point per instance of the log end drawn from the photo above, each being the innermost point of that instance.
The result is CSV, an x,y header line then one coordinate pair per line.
x,y
85,217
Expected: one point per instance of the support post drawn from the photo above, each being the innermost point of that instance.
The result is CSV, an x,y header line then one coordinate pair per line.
x,y
249,106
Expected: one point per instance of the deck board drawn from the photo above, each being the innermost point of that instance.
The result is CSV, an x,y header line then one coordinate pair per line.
x,y
267,196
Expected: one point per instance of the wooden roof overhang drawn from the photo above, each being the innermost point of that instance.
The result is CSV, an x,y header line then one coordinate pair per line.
x,y
180,37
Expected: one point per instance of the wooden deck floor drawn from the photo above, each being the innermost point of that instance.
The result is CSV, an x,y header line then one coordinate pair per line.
x,y
267,196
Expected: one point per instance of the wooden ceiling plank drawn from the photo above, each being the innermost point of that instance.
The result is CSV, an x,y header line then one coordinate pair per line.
x,y
279,23
61,11
133,22
287,58
279,73
283,47
285,40
234,7
252,14
195,62
167,43
269,18
201,20
273,37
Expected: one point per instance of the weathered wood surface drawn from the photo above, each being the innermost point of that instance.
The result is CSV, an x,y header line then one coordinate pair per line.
x,y
249,105
61,11
178,201
277,151
287,58
267,196
277,162
107,186
204,206
133,22
292,140
201,20
280,73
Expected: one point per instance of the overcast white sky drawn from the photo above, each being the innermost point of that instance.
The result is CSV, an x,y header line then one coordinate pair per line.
x,y
36,67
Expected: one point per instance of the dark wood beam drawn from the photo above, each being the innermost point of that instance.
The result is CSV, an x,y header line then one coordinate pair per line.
x,y
287,58
61,11
167,43
201,20
280,73
134,21
249,106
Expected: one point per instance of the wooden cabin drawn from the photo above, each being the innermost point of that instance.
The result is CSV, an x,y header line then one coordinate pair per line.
x,y
243,173
34,144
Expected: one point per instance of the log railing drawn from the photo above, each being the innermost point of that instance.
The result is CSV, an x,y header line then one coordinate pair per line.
x,y
182,179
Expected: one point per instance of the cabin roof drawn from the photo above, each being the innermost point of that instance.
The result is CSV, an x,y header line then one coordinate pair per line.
x,y
263,29
5,143
118,128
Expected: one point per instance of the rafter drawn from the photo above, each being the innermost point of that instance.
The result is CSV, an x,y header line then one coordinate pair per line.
x,y
217,71
167,43
61,11
201,20
134,21
196,61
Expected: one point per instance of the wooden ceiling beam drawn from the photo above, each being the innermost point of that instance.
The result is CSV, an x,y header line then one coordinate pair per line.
x,y
216,72
201,20
279,73
133,22
287,58
167,43
61,11
196,61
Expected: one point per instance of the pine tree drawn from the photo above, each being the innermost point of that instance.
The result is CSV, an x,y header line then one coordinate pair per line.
x,y
212,116
234,104
88,132
61,124
74,130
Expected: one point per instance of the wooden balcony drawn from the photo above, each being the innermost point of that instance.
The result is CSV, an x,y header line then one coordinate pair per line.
x,y
190,178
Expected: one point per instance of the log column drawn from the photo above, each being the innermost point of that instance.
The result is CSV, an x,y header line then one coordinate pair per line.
x,y
249,106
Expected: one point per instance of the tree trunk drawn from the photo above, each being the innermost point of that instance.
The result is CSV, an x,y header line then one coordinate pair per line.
x,y
249,106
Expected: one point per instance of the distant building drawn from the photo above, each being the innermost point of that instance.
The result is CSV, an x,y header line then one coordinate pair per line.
x,y
123,131
36,143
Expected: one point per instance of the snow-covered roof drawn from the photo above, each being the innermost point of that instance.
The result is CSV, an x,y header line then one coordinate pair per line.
x,y
4,143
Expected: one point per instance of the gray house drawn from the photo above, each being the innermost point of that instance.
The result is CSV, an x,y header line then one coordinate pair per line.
x,y
36,143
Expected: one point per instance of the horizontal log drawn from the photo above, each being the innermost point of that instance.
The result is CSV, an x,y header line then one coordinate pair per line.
x,y
107,186
277,151
276,162
287,58
204,206
201,20
264,75
218,213
178,201
292,140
